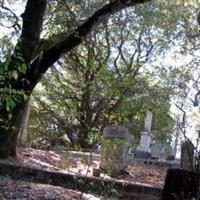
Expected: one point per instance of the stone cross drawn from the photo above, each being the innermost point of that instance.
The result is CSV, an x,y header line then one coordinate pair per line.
x,y
148,122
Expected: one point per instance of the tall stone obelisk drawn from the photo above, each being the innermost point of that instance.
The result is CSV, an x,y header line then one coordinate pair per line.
x,y
143,150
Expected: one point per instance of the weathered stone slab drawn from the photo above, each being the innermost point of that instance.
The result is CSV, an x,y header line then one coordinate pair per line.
x,y
187,155
84,155
145,142
115,149
157,150
142,154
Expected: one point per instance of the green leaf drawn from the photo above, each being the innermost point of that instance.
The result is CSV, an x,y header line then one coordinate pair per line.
x,y
14,74
7,62
25,96
10,103
23,68
1,69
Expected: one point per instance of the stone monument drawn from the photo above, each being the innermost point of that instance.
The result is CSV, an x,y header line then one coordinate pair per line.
x,y
114,149
187,155
143,150
148,122
157,150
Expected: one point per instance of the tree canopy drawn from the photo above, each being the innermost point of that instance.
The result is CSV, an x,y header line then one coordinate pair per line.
x,y
104,48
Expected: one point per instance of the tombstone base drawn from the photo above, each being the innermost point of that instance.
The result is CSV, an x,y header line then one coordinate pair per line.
x,y
142,154
113,173
112,169
145,142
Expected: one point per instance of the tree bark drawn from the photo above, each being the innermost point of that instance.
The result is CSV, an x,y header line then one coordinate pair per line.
x,y
10,121
22,135
9,132
83,137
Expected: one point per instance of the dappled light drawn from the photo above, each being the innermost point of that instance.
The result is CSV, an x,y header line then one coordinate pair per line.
x,y
100,99
52,161
23,191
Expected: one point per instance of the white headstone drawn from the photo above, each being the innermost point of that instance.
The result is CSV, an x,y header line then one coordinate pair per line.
x,y
145,141
148,122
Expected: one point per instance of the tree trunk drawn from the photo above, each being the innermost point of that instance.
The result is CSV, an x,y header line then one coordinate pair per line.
x,y
23,126
9,133
181,185
82,140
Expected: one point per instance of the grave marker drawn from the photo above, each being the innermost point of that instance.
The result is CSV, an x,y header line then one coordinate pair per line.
x,y
187,155
143,150
115,149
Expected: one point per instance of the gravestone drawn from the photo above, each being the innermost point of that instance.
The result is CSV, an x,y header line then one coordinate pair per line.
x,y
114,149
145,141
58,149
187,155
157,150
143,150
170,156
148,122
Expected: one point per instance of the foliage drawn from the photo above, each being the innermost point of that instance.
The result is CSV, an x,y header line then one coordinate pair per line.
x,y
100,83
100,73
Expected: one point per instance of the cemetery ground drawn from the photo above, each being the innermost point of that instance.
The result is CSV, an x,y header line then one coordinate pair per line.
x,y
54,162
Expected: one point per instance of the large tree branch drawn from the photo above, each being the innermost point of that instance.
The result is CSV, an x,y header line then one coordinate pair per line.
x,y
26,46
32,25
50,56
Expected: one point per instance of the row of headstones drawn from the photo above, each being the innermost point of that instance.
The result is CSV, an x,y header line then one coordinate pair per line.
x,y
114,153
115,150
